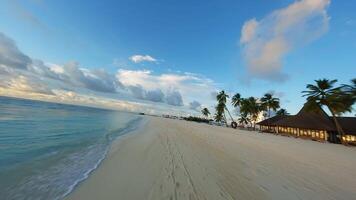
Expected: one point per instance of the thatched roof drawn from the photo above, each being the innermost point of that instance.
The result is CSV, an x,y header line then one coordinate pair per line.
x,y
348,124
271,121
316,119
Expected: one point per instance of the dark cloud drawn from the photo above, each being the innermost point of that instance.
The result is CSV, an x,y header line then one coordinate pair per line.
x,y
137,91
97,80
39,68
277,94
155,95
174,98
10,55
194,105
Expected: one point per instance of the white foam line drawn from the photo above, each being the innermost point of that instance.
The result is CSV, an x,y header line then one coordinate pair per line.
x,y
87,173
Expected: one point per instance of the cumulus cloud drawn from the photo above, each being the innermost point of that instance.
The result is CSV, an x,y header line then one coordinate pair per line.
x,y
138,90
155,95
265,42
178,88
194,105
171,97
174,98
23,84
97,80
10,55
142,58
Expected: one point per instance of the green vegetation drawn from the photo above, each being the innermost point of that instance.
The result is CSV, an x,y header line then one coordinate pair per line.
x,y
282,112
338,100
269,102
197,119
221,107
323,93
205,112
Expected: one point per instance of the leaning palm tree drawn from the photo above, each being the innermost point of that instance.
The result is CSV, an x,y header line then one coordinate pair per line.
x,y
269,103
205,112
282,112
323,93
222,97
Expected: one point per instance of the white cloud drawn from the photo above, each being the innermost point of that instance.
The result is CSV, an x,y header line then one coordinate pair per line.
x,y
248,31
132,90
174,98
267,41
24,84
190,86
142,58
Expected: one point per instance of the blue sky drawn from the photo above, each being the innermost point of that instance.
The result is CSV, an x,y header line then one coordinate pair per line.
x,y
188,49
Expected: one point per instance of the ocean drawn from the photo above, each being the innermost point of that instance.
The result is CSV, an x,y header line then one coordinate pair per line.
x,y
46,149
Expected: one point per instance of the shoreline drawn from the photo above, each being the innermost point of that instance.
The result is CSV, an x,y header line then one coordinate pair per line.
x,y
136,125
173,159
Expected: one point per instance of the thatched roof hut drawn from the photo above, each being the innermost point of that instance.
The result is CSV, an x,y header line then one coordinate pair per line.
x,y
316,119
315,124
271,121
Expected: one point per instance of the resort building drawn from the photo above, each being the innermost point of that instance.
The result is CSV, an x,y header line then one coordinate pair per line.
x,y
315,125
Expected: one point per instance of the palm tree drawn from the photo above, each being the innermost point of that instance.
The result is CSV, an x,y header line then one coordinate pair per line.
x,y
222,97
269,102
244,119
323,93
205,112
219,113
282,112
236,100
351,90
250,107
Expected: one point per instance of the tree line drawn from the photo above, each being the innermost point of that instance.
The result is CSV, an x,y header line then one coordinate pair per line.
x,y
338,99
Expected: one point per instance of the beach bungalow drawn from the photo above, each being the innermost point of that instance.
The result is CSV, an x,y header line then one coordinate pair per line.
x,y
268,125
315,125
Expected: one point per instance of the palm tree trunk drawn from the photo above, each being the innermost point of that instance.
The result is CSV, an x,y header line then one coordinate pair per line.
x,y
232,119
225,119
338,127
269,115
251,124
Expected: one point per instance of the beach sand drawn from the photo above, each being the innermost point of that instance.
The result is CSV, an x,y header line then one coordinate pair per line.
x,y
172,159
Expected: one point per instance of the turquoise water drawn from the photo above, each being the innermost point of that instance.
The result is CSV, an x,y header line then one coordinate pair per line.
x,y
46,149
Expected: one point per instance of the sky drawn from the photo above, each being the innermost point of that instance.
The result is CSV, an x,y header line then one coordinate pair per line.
x,y
172,56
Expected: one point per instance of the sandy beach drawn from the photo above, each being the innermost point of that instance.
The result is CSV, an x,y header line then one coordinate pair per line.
x,y
172,159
